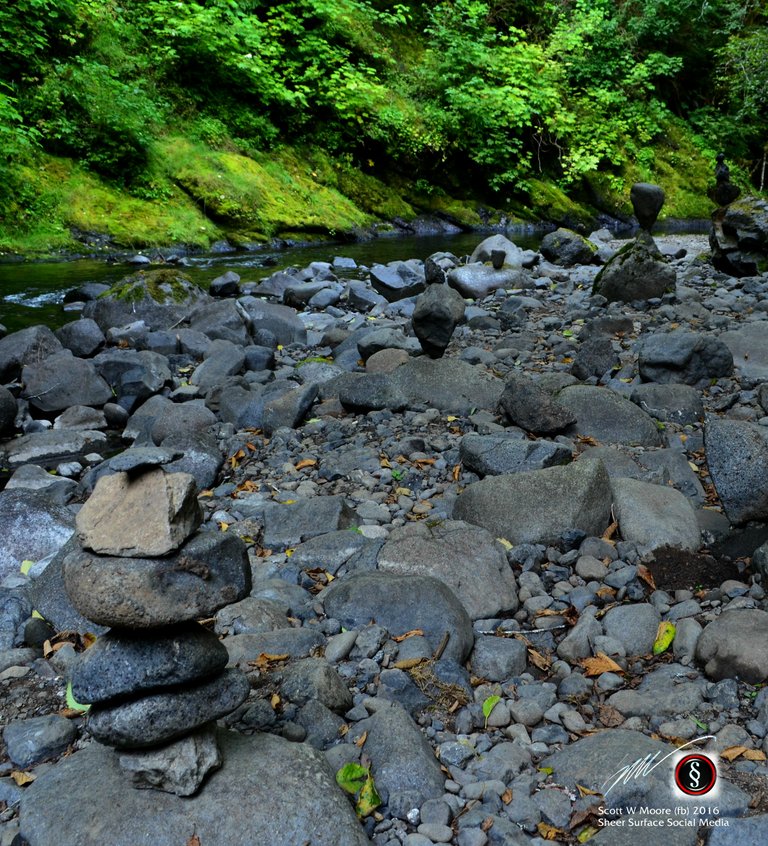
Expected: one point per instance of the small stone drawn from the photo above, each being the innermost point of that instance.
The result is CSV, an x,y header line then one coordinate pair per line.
x,y
38,738
179,768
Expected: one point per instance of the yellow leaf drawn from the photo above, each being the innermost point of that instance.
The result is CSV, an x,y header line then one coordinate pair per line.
x,y
38,615
279,346
587,833
664,637
506,796
289,552
26,565
22,778
288,502
585,791
693,467
754,755
306,462
456,472
384,462
601,663
274,701
733,752
223,526
505,543
206,493
451,417
549,832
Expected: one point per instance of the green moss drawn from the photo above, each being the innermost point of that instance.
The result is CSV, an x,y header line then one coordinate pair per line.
x,y
548,202
166,287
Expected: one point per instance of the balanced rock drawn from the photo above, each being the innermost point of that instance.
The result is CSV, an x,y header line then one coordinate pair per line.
x,y
162,716
121,662
637,272
541,505
151,514
210,571
438,312
647,200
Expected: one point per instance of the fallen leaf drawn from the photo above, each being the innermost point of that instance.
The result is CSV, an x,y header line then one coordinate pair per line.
x,y
307,462
72,702
384,462
205,493
411,633
664,637
505,543
606,591
587,440
754,755
609,716
733,752
266,661
360,742
610,531
549,832
587,833
645,574
193,841
506,796
421,463
369,798
585,791
451,417
601,663
541,661
274,701
490,703
223,526
22,778
456,472
486,824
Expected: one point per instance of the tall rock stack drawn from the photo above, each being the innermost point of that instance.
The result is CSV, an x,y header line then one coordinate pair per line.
x,y
157,680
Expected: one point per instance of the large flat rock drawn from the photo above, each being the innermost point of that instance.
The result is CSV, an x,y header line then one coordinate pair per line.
x,y
268,791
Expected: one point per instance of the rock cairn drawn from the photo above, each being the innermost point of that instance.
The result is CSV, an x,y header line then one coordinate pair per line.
x,y
156,680
638,271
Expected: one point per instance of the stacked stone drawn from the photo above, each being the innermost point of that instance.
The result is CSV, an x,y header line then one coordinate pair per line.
x,y
157,677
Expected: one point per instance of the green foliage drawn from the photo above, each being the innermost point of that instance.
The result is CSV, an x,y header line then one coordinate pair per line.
x,y
358,781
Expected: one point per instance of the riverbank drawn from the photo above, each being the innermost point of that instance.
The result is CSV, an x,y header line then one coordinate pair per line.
x,y
457,589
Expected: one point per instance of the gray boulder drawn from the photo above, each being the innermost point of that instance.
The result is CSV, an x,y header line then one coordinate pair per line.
x,y
539,506
262,791
637,272
749,346
61,380
483,252
735,646
33,740
594,357
81,337
8,409
223,319
401,603
226,285
27,346
466,558
671,403
397,280
528,405
492,455
655,515
739,237
688,357
222,359
634,626
449,385
567,248
22,510
477,280
608,417
50,447
270,320
737,457
383,339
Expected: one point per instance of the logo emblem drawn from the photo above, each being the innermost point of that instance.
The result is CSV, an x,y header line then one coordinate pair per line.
x,y
695,774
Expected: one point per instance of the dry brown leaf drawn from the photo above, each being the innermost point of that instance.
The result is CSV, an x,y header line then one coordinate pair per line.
x,y
506,796
606,591
266,661
645,574
610,531
541,661
307,462
411,633
487,824
585,791
733,752
206,493
22,778
601,663
384,461
549,832
360,742
456,472
421,463
408,663
587,440
193,841
70,713
755,755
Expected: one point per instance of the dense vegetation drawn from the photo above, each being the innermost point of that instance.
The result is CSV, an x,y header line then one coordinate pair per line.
x,y
163,120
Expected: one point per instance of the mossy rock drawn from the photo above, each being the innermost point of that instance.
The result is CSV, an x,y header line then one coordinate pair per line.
x,y
548,202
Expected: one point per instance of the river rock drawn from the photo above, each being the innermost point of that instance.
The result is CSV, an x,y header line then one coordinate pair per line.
x,y
81,337
210,571
162,716
27,346
737,457
477,280
655,515
438,311
8,409
315,679
179,767
608,417
295,643
222,359
121,663
638,271
21,510
226,285
397,280
483,252
539,506
158,297
147,515
567,248
467,558
51,447
61,380
749,346
528,405
288,409
402,761
286,524
634,626
262,789
671,403
401,603
279,323
37,738
493,455
385,338
735,646
688,357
